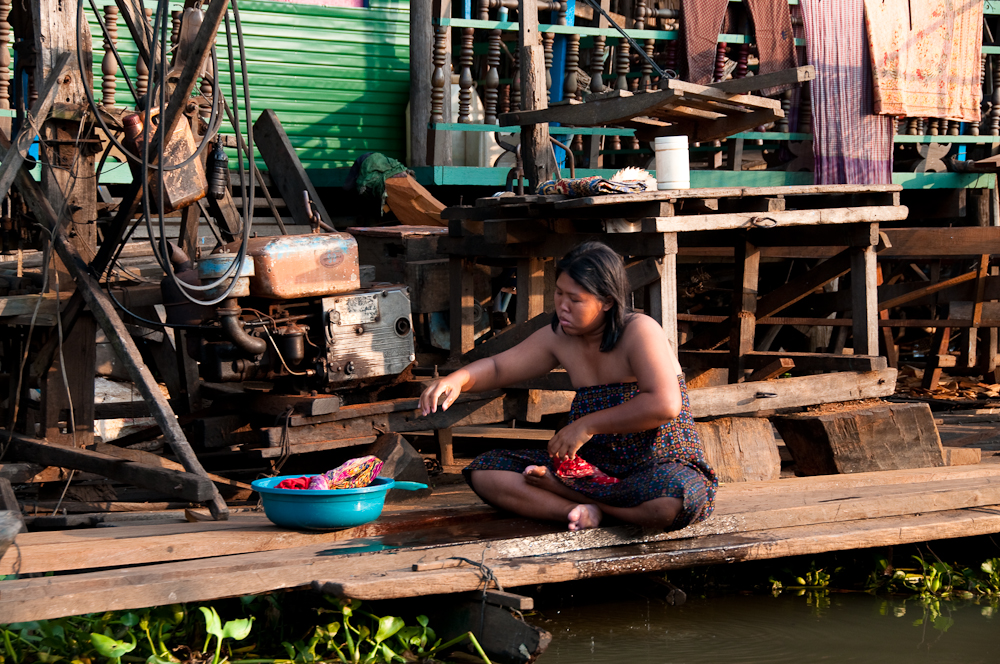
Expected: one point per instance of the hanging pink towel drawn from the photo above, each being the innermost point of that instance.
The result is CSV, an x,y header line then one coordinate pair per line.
x,y
926,57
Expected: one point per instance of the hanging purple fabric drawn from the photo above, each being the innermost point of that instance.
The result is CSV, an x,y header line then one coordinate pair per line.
x,y
851,144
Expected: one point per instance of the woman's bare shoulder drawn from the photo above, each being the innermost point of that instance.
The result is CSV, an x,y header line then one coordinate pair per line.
x,y
643,328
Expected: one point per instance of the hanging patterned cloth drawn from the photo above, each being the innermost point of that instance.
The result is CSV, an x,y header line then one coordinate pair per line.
x,y
925,56
772,25
851,144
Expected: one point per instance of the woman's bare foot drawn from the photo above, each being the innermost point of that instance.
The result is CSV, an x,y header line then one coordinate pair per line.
x,y
582,517
541,477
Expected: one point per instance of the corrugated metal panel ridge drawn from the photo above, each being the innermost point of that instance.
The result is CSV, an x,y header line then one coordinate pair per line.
x,y
338,77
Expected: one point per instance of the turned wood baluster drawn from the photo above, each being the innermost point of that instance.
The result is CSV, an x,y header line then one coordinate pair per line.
x,y
973,127
671,58
786,107
572,64
720,62
645,77
515,82
597,65
622,65
491,82
742,62
175,27
995,99
142,69
439,81
5,35
913,126
805,108
465,81
548,39
933,127
953,127
109,66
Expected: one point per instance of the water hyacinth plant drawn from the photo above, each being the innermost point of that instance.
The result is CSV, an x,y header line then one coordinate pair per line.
x,y
345,633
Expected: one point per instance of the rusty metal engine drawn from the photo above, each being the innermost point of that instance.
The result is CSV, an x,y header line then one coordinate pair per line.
x,y
295,314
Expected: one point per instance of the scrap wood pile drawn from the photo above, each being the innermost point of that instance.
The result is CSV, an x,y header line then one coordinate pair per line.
x,y
910,383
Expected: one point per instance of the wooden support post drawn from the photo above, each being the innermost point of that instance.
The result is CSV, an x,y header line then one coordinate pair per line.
x,y
734,154
421,71
939,347
888,342
446,449
744,308
462,307
530,288
864,297
536,151
660,292
70,187
439,142
970,345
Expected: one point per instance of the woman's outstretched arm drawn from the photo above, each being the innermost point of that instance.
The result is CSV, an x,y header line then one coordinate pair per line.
x,y
531,358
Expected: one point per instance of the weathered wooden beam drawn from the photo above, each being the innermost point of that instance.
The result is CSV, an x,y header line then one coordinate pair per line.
x,y
754,83
745,398
285,169
195,488
787,218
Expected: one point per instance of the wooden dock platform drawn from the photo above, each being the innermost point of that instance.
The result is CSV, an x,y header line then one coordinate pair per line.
x,y
162,562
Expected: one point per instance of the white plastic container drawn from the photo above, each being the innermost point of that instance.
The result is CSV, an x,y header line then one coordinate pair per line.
x,y
673,167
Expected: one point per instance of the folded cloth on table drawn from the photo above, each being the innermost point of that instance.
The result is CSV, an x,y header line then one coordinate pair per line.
x,y
577,467
592,186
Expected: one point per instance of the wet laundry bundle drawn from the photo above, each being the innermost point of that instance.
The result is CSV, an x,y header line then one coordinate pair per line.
x,y
576,468
592,186
352,474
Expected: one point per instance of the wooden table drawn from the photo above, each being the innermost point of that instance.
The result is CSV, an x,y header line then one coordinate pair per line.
x,y
651,228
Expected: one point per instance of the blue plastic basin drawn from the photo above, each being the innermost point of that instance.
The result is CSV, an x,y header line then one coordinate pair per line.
x,y
325,509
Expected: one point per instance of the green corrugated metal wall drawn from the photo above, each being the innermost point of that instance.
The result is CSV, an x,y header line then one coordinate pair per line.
x,y
337,77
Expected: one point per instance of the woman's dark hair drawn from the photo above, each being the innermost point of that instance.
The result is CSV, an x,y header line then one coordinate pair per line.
x,y
601,272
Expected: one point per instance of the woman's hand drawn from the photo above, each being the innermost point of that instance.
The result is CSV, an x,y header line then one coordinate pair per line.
x,y
448,387
568,440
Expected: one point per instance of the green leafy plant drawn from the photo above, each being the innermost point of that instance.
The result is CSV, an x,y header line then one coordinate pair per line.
x,y
233,629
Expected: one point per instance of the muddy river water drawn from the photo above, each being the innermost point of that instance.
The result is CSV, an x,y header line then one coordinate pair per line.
x,y
745,629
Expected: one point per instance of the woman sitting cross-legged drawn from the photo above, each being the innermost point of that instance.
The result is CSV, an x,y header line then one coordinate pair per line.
x,y
630,421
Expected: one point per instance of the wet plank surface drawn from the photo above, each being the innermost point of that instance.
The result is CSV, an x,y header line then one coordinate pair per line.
x,y
153,564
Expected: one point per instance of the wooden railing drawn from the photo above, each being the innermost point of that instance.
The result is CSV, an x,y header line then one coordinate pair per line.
x,y
475,60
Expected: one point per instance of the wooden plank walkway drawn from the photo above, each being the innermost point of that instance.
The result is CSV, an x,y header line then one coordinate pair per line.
x,y
149,565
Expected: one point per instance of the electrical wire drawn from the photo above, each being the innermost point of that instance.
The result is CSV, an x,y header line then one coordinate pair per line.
x,y
214,120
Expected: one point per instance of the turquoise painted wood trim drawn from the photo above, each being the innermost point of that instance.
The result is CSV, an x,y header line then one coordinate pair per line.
x,y
747,135
772,135
496,177
666,35
510,26
991,7
555,130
